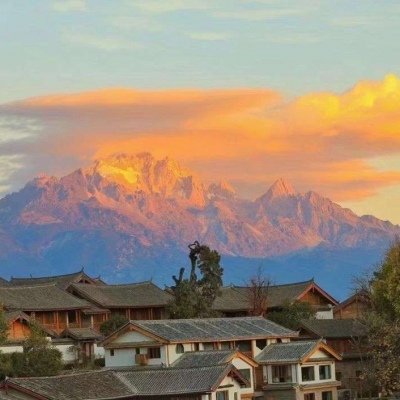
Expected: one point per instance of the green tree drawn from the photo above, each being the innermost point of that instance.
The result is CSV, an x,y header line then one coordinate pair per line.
x,y
38,358
385,284
110,326
194,297
292,313
381,290
4,327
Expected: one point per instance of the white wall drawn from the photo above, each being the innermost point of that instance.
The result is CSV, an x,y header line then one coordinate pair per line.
x,y
132,336
241,364
126,357
231,389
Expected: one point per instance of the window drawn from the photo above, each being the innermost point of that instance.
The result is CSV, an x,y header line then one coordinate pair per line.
x,y
196,346
309,396
208,346
326,395
281,373
72,317
223,395
112,352
244,345
324,372
307,374
154,352
49,318
261,343
246,373
179,349
226,345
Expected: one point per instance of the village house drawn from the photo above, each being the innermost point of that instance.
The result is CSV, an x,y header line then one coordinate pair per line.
x,y
154,343
353,307
235,301
49,305
299,370
62,281
142,300
346,337
136,301
216,382
244,364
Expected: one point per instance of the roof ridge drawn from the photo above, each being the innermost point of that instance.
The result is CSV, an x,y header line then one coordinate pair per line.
x,y
32,286
276,285
48,277
116,284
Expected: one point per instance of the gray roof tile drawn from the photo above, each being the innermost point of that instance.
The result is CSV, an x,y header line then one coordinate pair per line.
x,y
236,298
109,384
82,333
38,298
203,358
291,352
63,281
214,328
143,294
334,328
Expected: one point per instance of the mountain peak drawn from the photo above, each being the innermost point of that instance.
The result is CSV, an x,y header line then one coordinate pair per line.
x,y
221,189
142,172
280,188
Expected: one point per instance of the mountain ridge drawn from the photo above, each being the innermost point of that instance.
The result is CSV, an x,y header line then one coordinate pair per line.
x,y
127,209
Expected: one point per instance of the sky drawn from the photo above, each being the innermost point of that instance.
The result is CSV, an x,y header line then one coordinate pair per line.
x,y
244,91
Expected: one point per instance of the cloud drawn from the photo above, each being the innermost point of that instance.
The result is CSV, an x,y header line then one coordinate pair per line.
x,y
162,6
262,14
354,21
209,36
102,43
136,23
69,5
322,141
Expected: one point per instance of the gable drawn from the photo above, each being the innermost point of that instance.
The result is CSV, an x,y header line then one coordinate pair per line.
x,y
132,337
319,354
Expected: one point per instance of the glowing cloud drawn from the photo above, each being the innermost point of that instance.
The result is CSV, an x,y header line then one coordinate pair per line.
x,y
251,137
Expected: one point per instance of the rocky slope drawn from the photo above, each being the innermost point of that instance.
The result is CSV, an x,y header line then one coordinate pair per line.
x,y
128,210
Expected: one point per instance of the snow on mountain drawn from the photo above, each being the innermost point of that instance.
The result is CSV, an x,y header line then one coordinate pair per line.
x,y
131,208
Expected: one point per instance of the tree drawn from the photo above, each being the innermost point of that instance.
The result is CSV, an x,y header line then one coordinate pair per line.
x,y
382,320
194,297
292,313
257,292
38,358
4,327
385,284
110,326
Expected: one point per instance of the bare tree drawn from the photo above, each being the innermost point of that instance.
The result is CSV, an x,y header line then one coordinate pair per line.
x,y
257,292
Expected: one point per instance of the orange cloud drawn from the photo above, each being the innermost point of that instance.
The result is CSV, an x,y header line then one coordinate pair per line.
x,y
250,137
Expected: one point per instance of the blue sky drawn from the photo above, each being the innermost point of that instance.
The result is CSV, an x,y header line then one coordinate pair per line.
x,y
292,46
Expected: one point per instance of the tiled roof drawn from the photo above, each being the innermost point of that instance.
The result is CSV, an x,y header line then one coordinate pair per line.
x,y
291,352
232,299
13,315
108,384
3,282
63,281
175,330
143,294
37,298
100,385
82,333
236,298
334,328
170,381
203,358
